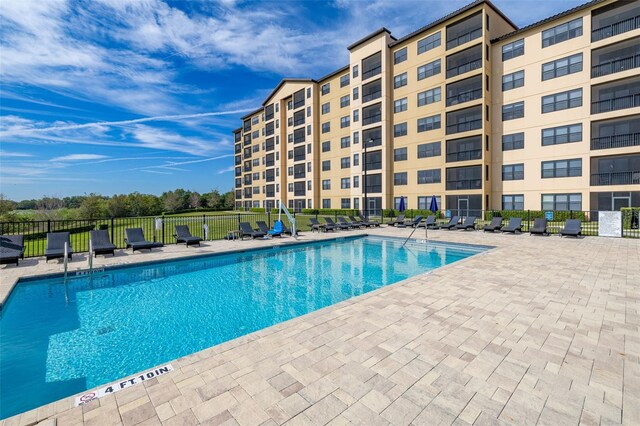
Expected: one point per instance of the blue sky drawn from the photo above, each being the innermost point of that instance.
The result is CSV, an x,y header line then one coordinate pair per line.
x,y
116,96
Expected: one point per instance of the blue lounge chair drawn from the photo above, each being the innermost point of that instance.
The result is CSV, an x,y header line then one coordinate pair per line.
x,y
278,228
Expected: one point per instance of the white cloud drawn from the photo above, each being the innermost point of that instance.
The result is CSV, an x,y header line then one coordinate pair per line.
x,y
79,157
14,154
226,170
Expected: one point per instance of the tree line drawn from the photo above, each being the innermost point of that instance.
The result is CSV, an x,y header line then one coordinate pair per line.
x,y
93,206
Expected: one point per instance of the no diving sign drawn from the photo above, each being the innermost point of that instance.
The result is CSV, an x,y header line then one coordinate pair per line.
x,y
123,384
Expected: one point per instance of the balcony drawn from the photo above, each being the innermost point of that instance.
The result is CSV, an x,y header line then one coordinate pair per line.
x,y
616,28
299,157
616,141
466,96
298,122
615,66
464,126
299,175
374,118
456,185
371,72
269,163
247,169
270,194
371,96
616,178
614,104
464,31
472,154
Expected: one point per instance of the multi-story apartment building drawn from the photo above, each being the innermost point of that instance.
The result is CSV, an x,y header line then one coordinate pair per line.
x,y
469,109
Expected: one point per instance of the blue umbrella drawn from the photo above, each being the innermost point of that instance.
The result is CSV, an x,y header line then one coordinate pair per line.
x,y
402,207
434,204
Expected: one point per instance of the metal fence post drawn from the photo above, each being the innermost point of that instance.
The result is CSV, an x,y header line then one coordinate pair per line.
x,y
162,229
112,240
238,220
269,217
528,219
48,225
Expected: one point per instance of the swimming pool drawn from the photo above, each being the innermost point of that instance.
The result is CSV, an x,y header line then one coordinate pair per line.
x,y
61,339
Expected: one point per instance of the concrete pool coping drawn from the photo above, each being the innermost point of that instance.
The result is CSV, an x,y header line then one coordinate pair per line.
x,y
419,350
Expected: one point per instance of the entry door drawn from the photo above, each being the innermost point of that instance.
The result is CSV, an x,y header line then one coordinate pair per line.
x,y
463,207
372,207
620,202
299,206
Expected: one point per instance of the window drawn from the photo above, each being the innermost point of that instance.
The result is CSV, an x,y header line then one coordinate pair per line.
x,y
513,202
464,30
326,88
512,50
562,202
326,165
298,99
400,105
308,92
326,203
513,111
563,100
428,43
290,187
345,162
345,122
429,176
429,96
429,123
290,171
255,120
345,203
562,32
513,172
399,129
373,160
309,130
563,66
428,70
371,66
425,202
426,150
562,134
400,55
356,115
356,159
345,142
513,80
355,93
326,108
400,154
562,168
326,146
326,184
399,80
372,114
345,183
356,182
345,101
356,138
344,80
326,127
513,141
308,111
400,178
355,71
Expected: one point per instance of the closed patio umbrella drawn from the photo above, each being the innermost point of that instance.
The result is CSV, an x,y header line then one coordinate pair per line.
x,y
402,207
434,204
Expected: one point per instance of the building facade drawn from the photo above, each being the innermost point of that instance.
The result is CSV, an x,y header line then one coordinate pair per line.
x,y
469,109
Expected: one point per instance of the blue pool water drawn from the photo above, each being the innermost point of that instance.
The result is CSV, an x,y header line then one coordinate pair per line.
x,y
60,339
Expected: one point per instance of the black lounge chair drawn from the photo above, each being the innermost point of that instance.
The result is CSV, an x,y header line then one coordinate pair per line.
x,y
246,229
262,226
366,222
539,227
183,235
514,225
101,243
337,225
342,220
495,225
430,223
11,249
451,224
572,227
469,223
413,223
359,223
317,226
398,221
135,239
55,245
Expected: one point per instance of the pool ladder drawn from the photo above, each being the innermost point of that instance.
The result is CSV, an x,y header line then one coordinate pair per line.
x,y
414,230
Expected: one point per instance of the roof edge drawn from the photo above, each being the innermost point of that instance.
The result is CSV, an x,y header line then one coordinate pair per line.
x,y
331,74
282,82
370,36
251,113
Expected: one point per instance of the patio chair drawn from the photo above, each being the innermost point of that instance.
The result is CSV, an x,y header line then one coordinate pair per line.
x,y
398,221
539,227
183,235
358,223
101,243
287,231
414,223
430,223
337,225
136,241
55,245
372,223
11,249
469,223
317,226
342,220
246,229
572,227
451,224
514,225
262,226
278,227
495,225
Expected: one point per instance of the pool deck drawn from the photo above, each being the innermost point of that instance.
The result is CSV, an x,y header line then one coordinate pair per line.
x,y
539,330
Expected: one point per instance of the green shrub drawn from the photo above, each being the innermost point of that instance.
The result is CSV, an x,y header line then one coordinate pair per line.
x,y
257,209
558,216
627,216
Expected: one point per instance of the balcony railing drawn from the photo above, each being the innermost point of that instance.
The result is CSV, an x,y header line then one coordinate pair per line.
x,y
238,173
464,37
298,104
299,193
268,117
464,127
269,163
371,96
462,97
247,169
248,195
299,175
245,156
616,178
299,158
299,139
271,178
270,194
615,66
269,147
455,185
371,72
472,154
375,118
466,67
616,28
616,141
374,189
298,122
614,104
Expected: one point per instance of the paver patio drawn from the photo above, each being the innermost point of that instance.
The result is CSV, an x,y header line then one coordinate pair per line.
x,y
540,330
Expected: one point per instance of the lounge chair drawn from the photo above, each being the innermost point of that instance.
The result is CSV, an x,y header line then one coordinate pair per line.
x,y
135,239
262,226
55,245
358,223
572,227
539,227
246,229
183,235
451,224
430,223
317,226
366,222
495,225
11,249
469,223
514,225
101,243
337,225
278,227
342,220
413,223
398,221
